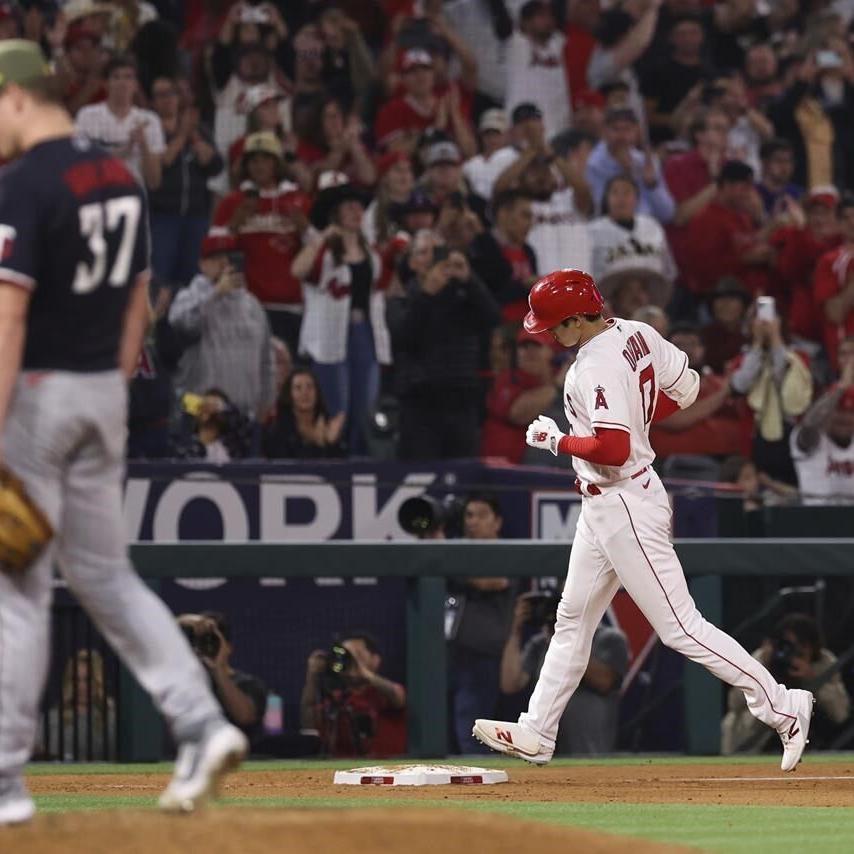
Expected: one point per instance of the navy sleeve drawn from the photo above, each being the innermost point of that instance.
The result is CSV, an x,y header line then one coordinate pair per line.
x,y
18,232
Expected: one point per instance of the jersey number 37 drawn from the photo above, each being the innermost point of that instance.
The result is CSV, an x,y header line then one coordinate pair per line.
x,y
97,220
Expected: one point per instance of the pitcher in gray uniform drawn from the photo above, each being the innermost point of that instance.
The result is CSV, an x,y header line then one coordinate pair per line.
x,y
73,312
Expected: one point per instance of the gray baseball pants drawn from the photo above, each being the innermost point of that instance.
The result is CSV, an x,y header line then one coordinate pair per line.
x,y
65,438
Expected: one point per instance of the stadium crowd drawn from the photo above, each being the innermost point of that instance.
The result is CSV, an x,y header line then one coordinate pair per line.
x,y
350,200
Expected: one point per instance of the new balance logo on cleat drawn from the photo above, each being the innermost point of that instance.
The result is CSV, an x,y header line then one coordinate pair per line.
x,y
504,735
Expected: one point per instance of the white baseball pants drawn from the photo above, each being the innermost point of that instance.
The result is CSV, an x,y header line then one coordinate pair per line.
x,y
65,438
623,538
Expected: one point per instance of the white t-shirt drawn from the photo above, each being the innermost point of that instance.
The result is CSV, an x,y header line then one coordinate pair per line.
x,y
826,474
559,235
614,384
536,75
616,249
482,172
472,22
106,129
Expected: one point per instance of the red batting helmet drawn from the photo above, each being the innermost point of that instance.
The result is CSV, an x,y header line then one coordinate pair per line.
x,y
562,294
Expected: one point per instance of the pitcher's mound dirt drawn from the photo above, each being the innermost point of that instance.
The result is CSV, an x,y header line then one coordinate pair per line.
x,y
376,831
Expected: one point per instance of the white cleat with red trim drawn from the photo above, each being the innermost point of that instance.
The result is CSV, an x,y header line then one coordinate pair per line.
x,y
512,739
795,737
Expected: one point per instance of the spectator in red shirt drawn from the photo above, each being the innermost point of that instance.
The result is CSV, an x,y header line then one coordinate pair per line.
x,y
691,177
724,337
503,258
799,247
726,239
833,283
712,425
268,214
401,119
517,396
333,142
81,68
357,712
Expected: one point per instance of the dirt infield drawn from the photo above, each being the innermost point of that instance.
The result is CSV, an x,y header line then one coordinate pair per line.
x,y
813,784
381,831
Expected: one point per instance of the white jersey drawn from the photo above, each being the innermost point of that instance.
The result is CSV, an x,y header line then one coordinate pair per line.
x,y
614,385
826,474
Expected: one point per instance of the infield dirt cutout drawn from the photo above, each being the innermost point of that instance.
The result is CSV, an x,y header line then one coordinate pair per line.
x,y
408,828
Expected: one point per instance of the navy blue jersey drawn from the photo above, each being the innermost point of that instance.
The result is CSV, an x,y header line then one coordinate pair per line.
x,y
74,230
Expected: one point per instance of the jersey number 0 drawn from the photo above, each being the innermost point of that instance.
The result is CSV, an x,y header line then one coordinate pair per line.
x,y
646,379
96,220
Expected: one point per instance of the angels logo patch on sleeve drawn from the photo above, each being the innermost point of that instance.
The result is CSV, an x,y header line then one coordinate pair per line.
x,y
600,402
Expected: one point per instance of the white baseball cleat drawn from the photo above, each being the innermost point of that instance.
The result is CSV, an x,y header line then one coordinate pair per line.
x,y
795,738
512,739
16,805
200,766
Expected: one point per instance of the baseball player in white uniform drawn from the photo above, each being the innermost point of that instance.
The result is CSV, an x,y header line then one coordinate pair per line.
x,y
625,376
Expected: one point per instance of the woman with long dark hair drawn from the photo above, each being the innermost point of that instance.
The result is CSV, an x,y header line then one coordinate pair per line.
x,y
333,141
303,428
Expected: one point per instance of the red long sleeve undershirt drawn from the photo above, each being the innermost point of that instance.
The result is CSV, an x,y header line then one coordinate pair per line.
x,y
611,447
606,448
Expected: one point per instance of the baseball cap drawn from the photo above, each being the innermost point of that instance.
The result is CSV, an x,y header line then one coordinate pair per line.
x,y
533,8
828,59
264,141
443,152
21,61
418,202
826,196
389,160
525,112
735,171
416,58
493,119
257,95
80,31
216,241
730,286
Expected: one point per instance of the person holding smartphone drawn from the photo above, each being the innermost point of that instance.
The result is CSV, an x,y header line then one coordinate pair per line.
x,y
778,386
231,349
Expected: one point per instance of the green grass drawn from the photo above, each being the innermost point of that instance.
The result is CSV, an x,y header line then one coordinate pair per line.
x,y
724,829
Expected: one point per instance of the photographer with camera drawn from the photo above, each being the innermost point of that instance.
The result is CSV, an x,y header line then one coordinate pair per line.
x,y
589,724
243,697
231,349
795,654
355,711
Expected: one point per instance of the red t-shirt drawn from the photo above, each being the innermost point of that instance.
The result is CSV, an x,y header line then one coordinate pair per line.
x,y
517,258
577,50
831,276
500,437
369,712
798,253
718,238
721,434
685,175
401,115
269,241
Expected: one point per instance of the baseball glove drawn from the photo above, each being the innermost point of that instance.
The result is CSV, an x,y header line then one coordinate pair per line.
x,y
24,529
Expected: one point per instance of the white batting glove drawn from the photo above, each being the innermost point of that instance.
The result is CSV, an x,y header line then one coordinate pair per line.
x,y
544,433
